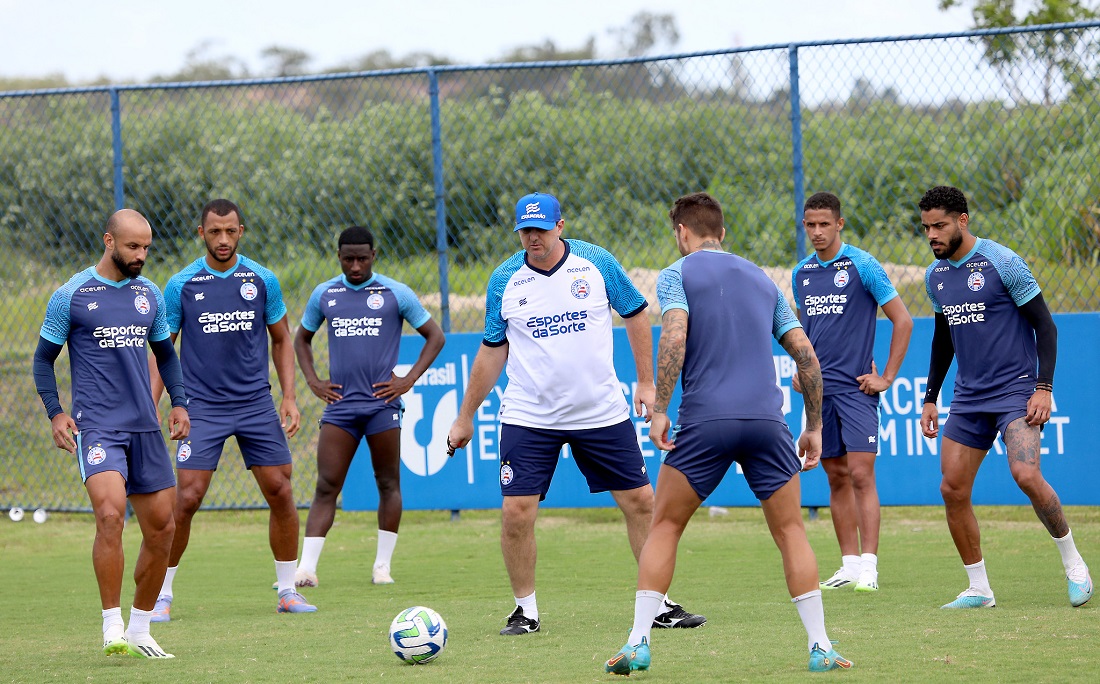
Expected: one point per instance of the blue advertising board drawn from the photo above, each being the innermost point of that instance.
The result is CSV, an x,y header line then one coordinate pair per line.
x,y
908,470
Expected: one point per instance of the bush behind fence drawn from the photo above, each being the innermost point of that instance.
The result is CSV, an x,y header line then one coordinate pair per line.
x,y
877,122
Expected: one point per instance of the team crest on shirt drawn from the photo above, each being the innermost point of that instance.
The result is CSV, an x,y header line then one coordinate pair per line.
x,y
580,288
976,281
506,475
841,278
375,301
249,291
184,452
96,455
141,303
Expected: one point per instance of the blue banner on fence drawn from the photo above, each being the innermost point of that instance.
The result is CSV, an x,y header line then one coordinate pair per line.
x,y
908,468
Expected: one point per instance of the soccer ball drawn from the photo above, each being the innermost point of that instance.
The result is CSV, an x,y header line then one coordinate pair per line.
x,y
418,635
16,514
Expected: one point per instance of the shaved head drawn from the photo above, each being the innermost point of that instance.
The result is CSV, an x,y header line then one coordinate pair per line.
x,y
127,242
127,219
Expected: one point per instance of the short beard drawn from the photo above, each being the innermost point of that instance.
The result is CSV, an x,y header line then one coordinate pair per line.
x,y
952,246
128,270
214,256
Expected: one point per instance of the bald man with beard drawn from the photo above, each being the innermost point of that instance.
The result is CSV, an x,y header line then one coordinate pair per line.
x,y
107,313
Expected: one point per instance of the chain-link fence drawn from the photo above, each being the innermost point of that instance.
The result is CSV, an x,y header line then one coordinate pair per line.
x,y
433,160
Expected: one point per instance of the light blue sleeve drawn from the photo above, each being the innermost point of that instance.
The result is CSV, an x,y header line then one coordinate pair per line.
x,y
496,328
928,288
173,306
670,288
312,318
55,327
407,303
621,293
274,307
1015,274
783,319
159,331
873,277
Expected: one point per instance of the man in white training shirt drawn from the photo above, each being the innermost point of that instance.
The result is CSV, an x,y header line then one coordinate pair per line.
x,y
548,317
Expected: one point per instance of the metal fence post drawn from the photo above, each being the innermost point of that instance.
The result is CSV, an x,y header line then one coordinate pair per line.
x,y
440,201
116,148
796,154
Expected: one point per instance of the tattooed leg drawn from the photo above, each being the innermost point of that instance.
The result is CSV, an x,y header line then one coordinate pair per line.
x,y
1022,441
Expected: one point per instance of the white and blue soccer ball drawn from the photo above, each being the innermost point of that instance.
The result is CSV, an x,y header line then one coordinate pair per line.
x,y
418,635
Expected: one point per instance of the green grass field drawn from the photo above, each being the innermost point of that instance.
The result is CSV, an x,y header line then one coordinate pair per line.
x,y
225,628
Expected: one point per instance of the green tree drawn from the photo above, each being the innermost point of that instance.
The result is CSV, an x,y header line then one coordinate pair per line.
x,y
285,61
201,64
1055,53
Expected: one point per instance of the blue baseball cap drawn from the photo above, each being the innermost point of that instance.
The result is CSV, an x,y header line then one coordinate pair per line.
x,y
538,210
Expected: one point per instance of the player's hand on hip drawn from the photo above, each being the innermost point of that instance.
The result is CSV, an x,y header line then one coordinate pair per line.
x,y
872,383
460,434
644,398
796,384
393,388
325,390
292,418
179,423
809,449
930,420
658,431
64,428
1038,407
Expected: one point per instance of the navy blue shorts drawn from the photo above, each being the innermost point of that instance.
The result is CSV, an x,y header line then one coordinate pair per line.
x,y
849,422
977,427
764,448
608,457
256,425
141,457
363,418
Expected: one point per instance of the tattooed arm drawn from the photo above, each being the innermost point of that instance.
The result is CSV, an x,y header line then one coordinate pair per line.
x,y
809,378
809,373
670,361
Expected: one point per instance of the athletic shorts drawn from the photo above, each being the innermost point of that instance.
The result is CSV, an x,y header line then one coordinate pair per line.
x,y
363,418
706,450
977,426
140,457
608,457
849,422
256,425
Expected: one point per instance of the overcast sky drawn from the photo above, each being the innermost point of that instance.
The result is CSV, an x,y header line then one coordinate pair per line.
x,y
132,40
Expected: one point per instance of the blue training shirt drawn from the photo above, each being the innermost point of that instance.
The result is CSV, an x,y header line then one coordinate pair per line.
x,y
106,325
980,296
222,321
837,304
733,311
364,329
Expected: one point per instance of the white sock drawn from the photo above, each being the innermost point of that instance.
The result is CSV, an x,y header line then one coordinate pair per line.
x,y
979,581
166,588
1066,547
284,573
386,542
112,622
311,553
851,564
529,606
870,562
647,605
812,612
139,622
